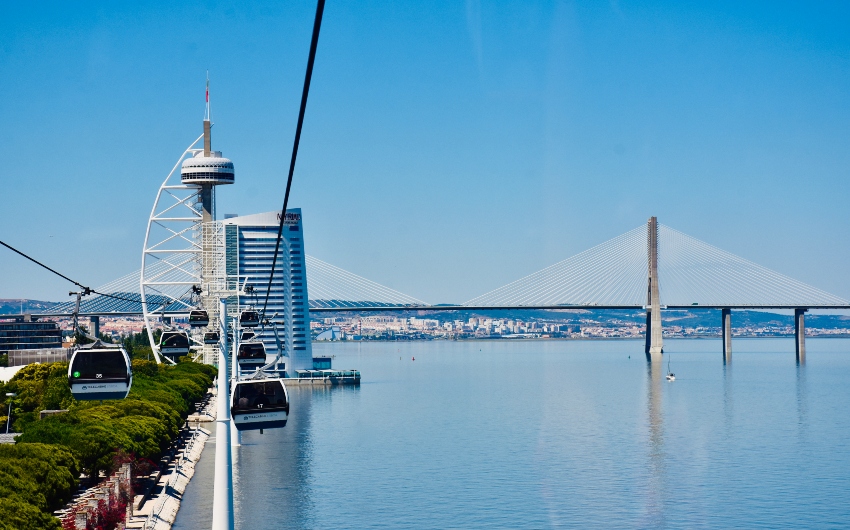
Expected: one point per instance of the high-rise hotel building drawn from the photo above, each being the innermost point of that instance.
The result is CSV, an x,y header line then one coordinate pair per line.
x,y
249,249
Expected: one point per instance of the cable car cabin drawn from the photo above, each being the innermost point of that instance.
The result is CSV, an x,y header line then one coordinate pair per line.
x,y
198,318
173,344
249,319
211,337
259,404
251,354
100,371
247,335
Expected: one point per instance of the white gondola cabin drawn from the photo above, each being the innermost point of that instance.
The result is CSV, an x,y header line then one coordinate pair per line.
x,y
249,319
100,371
173,344
199,318
259,404
251,354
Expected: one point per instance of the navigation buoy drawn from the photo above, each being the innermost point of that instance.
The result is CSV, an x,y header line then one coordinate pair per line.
x,y
413,359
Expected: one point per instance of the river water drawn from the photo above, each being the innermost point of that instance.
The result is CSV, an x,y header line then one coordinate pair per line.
x,y
542,434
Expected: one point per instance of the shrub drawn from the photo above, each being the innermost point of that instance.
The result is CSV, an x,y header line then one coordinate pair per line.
x,y
143,424
40,472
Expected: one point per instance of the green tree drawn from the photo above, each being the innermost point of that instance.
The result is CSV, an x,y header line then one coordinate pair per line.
x,y
16,515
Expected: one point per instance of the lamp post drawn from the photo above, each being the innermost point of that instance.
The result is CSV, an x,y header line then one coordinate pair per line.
x,y
9,415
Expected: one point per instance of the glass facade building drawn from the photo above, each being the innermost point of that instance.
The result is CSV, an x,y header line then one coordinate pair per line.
x,y
249,251
23,334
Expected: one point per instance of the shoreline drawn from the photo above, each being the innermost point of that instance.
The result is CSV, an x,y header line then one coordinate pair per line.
x,y
158,508
524,339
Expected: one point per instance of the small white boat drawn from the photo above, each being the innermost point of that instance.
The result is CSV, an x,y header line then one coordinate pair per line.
x,y
670,375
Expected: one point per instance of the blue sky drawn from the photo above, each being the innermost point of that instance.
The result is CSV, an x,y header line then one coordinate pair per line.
x,y
449,147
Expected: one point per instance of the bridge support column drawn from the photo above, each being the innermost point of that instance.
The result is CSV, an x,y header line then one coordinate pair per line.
x,y
95,327
654,342
726,327
800,334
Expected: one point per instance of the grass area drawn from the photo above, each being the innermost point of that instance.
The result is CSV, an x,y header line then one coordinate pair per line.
x,y
40,472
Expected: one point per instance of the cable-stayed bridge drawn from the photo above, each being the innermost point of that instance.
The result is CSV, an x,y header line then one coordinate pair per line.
x,y
610,275
691,274
652,267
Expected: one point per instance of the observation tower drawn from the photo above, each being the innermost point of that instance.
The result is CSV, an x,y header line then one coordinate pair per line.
x,y
183,253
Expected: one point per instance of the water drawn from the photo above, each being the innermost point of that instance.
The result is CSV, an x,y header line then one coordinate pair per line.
x,y
541,434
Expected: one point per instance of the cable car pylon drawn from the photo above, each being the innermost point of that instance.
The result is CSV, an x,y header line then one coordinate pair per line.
x,y
223,485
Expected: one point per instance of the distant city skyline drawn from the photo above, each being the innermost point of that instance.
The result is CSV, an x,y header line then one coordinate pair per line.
x,y
448,149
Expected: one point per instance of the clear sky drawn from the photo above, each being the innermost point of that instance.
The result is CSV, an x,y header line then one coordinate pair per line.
x,y
449,147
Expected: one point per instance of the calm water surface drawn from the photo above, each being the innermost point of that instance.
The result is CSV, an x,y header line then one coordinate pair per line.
x,y
540,434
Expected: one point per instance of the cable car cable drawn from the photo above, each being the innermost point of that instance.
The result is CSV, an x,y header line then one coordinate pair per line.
x,y
13,249
86,290
317,24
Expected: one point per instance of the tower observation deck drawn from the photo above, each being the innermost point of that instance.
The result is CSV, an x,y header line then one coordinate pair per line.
x,y
207,169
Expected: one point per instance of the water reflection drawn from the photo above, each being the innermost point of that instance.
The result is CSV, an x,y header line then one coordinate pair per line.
x,y
728,402
602,441
272,478
657,469
802,402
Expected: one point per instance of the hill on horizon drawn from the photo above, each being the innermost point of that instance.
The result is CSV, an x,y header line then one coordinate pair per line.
x,y
13,306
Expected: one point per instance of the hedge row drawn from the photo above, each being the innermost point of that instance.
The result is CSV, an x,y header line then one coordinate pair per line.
x,y
42,468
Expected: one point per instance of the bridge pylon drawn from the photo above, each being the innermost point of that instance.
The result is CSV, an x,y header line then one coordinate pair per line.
x,y
726,329
654,342
800,334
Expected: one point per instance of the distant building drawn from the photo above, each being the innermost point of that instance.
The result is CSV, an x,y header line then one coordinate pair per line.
x,y
27,333
334,333
249,249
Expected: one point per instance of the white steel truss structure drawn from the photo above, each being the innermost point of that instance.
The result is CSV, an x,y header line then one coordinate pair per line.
x,y
172,255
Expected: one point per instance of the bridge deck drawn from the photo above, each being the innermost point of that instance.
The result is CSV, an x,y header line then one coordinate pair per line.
x,y
379,309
